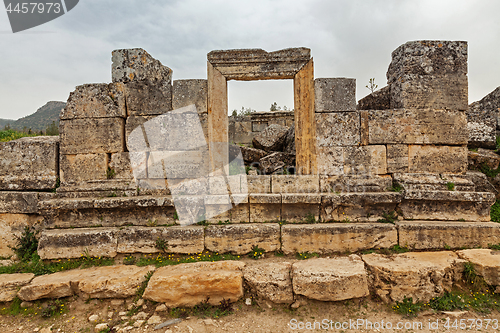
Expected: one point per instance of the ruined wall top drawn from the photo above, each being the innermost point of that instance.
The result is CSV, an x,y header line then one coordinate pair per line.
x,y
257,64
131,65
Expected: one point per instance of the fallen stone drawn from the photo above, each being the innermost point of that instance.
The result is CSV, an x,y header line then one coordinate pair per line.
x,y
419,275
486,264
10,284
153,320
277,161
95,282
477,159
191,284
482,120
93,318
289,145
330,279
252,155
139,316
161,308
270,281
271,139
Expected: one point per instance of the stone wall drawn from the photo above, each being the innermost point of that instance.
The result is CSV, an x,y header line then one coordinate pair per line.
x,y
242,129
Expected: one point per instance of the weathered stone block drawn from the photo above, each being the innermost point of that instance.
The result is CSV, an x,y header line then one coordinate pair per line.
x,y
300,207
73,243
334,94
295,183
428,57
10,284
177,164
277,162
92,135
330,279
338,129
187,239
337,237
482,120
193,91
397,158
413,126
257,64
433,182
365,160
486,264
437,159
241,238
97,100
259,184
271,139
137,142
217,208
29,163
358,207
18,202
377,100
122,167
243,132
252,155
191,284
148,98
258,126
12,226
96,282
265,207
330,160
347,184
430,92
132,65
83,167
240,213
419,275
271,281
424,235
447,205
483,156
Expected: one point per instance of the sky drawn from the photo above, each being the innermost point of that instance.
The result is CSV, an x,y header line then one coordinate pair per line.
x,y
347,38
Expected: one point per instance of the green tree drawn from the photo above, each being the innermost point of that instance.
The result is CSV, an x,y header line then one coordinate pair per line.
x,y
52,129
275,107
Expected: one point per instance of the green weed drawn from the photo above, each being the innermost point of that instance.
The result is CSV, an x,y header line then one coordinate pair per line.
x,y
305,255
450,186
495,211
256,252
144,284
388,217
407,307
26,245
310,218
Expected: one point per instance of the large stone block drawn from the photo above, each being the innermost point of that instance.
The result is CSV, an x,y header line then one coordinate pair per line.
x,y
10,284
121,165
148,98
424,235
97,100
334,94
83,167
92,135
433,182
358,207
74,243
430,92
397,158
271,281
482,117
241,238
365,160
259,184
447,205
193,91
18,202
136,142
243,132
377,100
415,127
192,284
330,279
187,239
337,129
330,160
337,237
428,57
96,282
295,183
347,184
11,227
300,207
257,64
133,65
419,275
271,139
437,159
265,207
29,163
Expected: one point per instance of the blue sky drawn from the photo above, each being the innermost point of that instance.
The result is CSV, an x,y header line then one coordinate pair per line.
x,y
348,38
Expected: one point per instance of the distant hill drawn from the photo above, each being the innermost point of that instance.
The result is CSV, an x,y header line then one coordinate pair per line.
x,y
39,120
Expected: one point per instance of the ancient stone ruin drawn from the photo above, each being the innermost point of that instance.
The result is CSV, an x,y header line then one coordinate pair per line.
x,y
388,170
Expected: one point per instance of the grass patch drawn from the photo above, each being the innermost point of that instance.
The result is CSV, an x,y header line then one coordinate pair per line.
x,y
256,252
484,168
164,259
144,284
395,249
407,307
495,211
479,301
204,310
9,135
396,187
310,218
388,217
450,186
305,255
